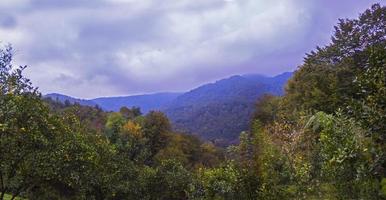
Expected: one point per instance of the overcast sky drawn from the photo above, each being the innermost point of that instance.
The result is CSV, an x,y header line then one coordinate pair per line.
x,y
92,48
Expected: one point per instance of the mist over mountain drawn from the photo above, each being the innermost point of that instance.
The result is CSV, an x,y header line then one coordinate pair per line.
x,y
214,111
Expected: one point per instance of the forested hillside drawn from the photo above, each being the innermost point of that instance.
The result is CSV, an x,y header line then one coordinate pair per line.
x,y
216,111
323,139
147,102
220,111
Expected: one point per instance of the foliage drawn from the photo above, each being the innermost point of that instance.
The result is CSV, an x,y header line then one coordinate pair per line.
x,y
346,80
325,139
219,183
345,158
325,81
36,147
220,111
267,109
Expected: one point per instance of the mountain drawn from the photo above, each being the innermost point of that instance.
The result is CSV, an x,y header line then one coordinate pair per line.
x,y
221,110
215,111
147,102
72,100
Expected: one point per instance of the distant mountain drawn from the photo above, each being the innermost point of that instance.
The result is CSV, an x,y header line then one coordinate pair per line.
x,y
147,102
223,109
157,101
72,100
214,111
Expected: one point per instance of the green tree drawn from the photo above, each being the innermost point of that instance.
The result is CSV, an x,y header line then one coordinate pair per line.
x,y
130,113
219,183
267,108
114,123
156,129
345,156
170,181
325,81
39,153
369,108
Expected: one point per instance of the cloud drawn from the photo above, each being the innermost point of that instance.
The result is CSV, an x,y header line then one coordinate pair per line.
x,y
118,47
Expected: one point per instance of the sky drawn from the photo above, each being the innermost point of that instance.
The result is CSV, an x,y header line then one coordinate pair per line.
x,y
94,48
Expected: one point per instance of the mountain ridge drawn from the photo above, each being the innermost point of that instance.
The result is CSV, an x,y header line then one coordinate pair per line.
x,y
146,102
212,111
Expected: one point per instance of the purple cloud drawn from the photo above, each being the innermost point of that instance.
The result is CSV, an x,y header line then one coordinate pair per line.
x,y
119,47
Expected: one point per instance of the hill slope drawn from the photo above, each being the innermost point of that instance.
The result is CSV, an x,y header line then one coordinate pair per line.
x,y
147,102
157,101
63,98
221,110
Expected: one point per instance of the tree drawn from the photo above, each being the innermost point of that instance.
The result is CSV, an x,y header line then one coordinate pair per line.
x,y
369,108
345,157
217,183
114,123
169,180
36,148
20,105
156,129
130,113
325,81
267,108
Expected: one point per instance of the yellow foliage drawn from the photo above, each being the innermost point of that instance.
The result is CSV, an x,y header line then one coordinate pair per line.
x,y
133,129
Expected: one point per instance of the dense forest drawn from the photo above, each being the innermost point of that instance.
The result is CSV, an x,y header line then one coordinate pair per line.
x,y
216,111
324,139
